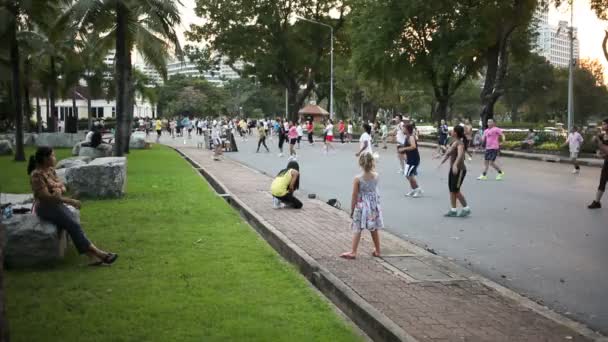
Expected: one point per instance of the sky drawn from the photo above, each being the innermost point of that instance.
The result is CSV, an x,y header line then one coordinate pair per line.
x,y
590,28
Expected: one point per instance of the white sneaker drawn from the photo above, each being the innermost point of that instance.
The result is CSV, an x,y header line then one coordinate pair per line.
x,y
418,193
576,172
276,204
411,193
280,155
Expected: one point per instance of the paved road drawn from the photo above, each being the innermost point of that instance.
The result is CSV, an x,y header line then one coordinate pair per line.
x,y
530,232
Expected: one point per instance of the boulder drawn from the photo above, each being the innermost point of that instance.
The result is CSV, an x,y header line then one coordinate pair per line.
x,y
31,241
16,198
59,139
138,141
103,150
73,161
6,148
101,178
76,148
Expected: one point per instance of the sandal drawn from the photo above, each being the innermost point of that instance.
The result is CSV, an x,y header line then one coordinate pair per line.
x,y
110,258
375,254
348,255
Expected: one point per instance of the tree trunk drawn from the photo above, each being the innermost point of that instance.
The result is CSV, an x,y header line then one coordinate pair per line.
x,y
90,115
441,109
121,79
514,113
130,101
74,118
48,113
53,124
16,85
38,116
605,45
26,95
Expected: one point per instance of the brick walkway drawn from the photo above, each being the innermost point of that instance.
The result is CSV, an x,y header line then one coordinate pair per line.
x,y
432,299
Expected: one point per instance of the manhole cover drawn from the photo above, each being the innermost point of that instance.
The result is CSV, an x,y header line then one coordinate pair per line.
x,y
417,269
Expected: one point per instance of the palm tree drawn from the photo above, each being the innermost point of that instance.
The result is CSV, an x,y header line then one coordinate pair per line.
x,y
148,26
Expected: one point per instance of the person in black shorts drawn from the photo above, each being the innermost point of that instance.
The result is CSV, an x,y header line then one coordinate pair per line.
x,y
602,140
410,148
458,171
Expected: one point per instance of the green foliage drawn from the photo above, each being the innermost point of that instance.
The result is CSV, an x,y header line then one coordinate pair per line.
x,y
189,269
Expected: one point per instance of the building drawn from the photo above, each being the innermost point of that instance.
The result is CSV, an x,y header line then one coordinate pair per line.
x,y
219,76
553,42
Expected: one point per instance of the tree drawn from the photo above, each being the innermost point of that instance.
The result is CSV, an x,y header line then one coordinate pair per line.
x,y
431,42
129,24
261,34
505,24
528,79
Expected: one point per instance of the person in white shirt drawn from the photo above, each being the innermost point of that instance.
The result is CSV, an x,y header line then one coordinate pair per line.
x,y
400,137
574,142
365,141
329,136
300,131
217,142
349,131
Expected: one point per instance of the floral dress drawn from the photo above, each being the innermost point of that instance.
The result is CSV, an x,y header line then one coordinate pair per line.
x,y
367,213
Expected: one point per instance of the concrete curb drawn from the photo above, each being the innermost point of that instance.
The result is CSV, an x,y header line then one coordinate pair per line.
x,y
369,319
375,324
538,157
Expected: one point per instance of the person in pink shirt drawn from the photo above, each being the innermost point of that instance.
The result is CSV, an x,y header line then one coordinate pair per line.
x,y
292,135
492,137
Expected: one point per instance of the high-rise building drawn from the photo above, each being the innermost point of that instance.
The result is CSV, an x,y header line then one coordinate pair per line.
x,y
218,76
553,42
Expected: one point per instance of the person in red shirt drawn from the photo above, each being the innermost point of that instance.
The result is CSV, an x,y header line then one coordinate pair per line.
x,y
310,130
341,130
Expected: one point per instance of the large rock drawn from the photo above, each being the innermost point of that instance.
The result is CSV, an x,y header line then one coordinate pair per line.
x,y
101,178
6,148
138,141
103,150
16,198
76,148
73,161
31,241
28,138
58,139
61,175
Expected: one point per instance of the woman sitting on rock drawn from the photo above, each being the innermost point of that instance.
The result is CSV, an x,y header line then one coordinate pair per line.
x,y
50,205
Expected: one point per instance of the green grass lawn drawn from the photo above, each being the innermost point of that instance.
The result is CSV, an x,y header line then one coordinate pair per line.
x,y
189,269
13,175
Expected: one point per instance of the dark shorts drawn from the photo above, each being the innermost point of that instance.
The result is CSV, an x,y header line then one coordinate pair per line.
x,y
455,180
491,155
604,177
443,140
158,131
411,170
293,141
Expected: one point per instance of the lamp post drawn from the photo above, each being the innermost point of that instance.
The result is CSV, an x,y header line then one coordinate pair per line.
x,y
331,72
571,71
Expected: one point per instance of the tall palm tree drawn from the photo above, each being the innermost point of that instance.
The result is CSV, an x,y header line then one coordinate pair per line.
x,y
145,25
14,14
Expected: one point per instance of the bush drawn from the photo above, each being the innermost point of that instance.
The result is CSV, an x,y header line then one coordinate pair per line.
x,y
509,145
550,146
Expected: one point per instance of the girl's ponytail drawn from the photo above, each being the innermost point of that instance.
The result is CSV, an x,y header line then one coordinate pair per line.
x,y
31,165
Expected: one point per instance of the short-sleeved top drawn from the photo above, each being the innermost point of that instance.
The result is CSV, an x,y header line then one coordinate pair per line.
x,y
261,131
443,130
41,179
300,130
400,134
280,184
292,133
341,127
349,129
329,130
365,137
492,136
159,125
574,142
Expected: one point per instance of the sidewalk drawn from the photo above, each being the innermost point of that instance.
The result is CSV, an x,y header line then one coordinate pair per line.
x,y
594,162
408,294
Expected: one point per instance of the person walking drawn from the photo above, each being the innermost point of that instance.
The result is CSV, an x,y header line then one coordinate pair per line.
x,y
329,136
458,171
365,141
602,141
285,184
50,205
261,137
159,129
574,142
492,137
365,209
384,132
400,138
216,137
311,131
292,135
341,130
173,127
281,135
468,133
349,131
413,161
442,134
300,131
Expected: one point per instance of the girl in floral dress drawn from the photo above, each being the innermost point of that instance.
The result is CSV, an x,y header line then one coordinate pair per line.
x,y
365,206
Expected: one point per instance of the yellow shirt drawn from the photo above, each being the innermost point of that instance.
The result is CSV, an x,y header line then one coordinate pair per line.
x,y
279,185
159,125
